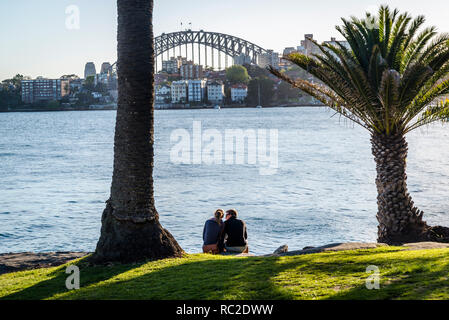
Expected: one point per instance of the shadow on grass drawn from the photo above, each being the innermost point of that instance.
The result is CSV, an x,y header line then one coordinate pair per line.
x,y
417,283
233,278
206,277
417,278
56,284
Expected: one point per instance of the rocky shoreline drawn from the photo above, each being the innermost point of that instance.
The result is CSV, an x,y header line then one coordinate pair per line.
x,y
13,262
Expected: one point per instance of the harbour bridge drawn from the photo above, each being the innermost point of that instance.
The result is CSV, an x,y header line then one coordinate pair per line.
x,y
211,48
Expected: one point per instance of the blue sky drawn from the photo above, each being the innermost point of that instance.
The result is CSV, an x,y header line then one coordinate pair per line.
x,y
35,40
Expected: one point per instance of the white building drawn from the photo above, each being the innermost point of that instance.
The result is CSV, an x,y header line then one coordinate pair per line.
x,y
163,93
196,90
179,91
215,91
239,92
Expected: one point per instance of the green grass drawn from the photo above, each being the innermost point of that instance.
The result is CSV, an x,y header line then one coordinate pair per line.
x,y
421,274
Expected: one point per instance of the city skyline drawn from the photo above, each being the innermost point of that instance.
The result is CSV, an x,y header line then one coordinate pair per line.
x,y
28,48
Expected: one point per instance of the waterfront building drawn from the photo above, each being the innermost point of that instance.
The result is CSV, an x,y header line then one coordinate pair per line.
x,y
196,90
239,92
163,94
215,91
189,70
90,70
179,91
40,90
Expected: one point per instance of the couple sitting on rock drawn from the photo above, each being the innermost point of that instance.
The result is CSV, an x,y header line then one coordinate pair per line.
x,y
229,236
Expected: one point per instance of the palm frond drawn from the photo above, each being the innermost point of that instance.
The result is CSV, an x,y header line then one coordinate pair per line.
x,y
387,78
438,112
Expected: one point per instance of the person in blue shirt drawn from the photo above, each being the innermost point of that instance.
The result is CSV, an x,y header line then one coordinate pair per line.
x,y
212,231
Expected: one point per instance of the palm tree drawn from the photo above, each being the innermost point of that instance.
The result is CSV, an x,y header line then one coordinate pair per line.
x,y
130,223
389,82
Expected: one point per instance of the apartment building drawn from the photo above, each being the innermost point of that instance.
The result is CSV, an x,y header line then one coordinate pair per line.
x,y
215,91
196,90
239,92
189,70
41,89
179,91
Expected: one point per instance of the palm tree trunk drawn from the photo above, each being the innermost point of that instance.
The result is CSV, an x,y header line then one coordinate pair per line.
x,y
399,220
130,223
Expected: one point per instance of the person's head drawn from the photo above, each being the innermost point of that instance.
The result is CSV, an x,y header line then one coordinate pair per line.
x,y
218,215
231,213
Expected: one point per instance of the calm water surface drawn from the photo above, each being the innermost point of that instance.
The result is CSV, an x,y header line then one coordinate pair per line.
x,y
55,174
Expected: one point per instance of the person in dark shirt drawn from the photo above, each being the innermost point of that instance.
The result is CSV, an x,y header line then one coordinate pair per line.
x,y
234,236
212,231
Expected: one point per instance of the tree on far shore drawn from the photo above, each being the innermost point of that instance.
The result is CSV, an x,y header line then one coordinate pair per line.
x,y
390,82
266,92
130,229
237,74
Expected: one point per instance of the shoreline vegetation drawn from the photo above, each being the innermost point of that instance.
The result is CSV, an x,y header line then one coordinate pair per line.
x,y
176,107
336,271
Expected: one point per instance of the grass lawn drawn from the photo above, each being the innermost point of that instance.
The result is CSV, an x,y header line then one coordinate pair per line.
x,y
420,274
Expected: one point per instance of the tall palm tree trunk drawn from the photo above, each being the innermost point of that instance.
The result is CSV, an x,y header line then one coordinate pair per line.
x,y
399,220
130,223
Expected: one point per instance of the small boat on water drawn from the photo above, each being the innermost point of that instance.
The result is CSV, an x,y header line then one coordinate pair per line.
x,y
217,107
259,107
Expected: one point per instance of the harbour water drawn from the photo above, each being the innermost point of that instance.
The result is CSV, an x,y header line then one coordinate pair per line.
x,y
56,168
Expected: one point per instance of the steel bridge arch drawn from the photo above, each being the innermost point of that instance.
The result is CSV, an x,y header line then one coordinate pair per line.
x,y
228,44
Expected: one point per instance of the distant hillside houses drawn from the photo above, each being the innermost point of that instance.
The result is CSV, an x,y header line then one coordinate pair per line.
x,y
199,91
308,47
